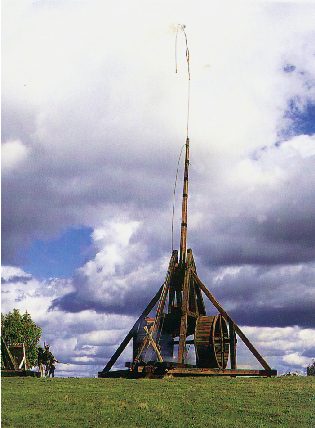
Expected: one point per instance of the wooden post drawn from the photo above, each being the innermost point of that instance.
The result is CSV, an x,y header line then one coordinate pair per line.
x,y
232,345
185,308
249,345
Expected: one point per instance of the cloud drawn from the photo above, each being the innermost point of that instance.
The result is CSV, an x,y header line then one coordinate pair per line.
x,y
120,279
267,296
296,360
14,274
13,153
284,348
263,212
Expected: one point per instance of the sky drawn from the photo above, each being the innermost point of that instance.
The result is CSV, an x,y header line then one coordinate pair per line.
x,y
93,121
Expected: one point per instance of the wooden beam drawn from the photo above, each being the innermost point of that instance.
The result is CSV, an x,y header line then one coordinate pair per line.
x,y
215,303
183,229
232,345
183,371
153,344
185,308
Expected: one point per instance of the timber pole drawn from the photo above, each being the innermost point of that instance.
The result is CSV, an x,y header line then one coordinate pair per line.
x,y
183,230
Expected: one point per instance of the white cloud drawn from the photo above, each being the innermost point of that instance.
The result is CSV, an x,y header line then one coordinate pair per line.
x,y
302,145
13,272
297,360
286,339
13,153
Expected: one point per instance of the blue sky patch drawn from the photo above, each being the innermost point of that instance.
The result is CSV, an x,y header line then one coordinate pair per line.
x,y
301,120
289,68
61,256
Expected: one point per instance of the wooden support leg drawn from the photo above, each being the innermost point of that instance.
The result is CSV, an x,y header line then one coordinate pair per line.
x,y
232,345
184,319
215,303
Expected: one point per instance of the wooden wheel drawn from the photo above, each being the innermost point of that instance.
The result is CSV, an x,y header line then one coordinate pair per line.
x,y
212,342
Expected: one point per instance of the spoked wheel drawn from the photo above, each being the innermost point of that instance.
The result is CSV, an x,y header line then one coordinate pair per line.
x,y
212,342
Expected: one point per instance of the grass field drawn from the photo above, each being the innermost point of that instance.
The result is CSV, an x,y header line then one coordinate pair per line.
x,y
190,402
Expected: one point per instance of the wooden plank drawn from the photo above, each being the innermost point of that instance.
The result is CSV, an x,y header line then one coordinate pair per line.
x,y
185,308
184,319
153,344
183,371
232,345
215,303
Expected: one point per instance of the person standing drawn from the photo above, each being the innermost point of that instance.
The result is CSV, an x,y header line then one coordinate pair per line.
x,y
52,366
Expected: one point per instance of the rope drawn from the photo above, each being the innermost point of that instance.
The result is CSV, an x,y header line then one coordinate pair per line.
x,y
181,27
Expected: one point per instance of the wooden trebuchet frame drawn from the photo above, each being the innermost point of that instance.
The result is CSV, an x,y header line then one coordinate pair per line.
x,y
185,311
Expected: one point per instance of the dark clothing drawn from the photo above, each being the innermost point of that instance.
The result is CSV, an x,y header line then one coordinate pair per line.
x,y
52,370
52,366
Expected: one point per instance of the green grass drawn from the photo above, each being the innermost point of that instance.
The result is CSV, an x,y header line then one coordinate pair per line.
x,y
191,402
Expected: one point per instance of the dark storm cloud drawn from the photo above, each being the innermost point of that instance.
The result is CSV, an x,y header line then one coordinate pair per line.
x,y
267,296
309,353
13,279
271,316
132,303
262,223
